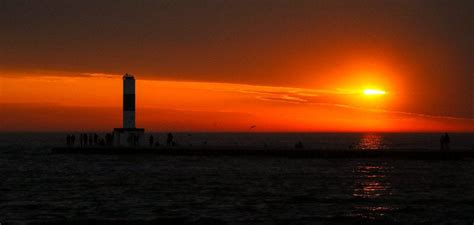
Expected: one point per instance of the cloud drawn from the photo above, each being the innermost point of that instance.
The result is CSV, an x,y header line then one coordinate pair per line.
x,y
101,75
335,98
282,98
53,74
299,95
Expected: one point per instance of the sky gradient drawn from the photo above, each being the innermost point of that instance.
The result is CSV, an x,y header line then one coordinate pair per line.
x,y
229,65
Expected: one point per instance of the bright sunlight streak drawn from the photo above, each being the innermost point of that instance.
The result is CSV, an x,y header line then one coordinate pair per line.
x,y
373,92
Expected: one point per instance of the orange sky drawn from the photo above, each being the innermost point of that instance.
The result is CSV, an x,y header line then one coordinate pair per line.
x,y
58,101
223,65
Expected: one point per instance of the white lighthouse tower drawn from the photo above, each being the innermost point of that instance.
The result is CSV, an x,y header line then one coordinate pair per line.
x,y
129,135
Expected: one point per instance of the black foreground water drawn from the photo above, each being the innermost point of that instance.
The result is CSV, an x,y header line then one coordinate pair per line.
x,y
42,188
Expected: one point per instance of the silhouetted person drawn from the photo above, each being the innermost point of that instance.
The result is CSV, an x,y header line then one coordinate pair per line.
x,y
131,139
85,139
96,137
90,140
441,142
68,140
108,139
299,145
444,141
73,139
447,140
151,140
169,140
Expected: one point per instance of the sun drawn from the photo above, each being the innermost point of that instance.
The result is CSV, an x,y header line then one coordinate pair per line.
x,y
374,92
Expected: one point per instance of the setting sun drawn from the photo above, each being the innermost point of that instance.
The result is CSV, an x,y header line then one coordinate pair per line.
x,y
374,92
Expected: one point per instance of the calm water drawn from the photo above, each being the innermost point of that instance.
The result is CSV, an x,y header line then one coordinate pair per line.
x,y
38,187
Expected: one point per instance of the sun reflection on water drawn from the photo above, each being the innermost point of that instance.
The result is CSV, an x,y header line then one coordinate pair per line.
x,y
371,185
370,141
371,182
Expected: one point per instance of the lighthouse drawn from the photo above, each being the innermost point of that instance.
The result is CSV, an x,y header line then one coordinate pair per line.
x,y
128,135
128,101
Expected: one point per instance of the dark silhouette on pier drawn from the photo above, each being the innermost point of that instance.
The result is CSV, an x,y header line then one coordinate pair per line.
x,y
299,145
444,141
68,140
169,140
96,138
151,140
108,139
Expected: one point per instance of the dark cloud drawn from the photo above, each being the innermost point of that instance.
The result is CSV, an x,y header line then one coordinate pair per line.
x,y
222,40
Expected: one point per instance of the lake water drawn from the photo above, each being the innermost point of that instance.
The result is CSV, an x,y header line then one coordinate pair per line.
x,y
42,188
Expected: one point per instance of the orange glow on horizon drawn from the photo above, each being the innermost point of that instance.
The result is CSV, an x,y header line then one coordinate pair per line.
x,y
93,102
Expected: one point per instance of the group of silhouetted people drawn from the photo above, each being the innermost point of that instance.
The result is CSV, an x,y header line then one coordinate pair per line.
x,y
444,141
89,140
70,139
169,141
86,140
133,140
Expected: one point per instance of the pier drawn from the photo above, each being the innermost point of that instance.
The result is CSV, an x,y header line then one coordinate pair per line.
x,y
416,154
